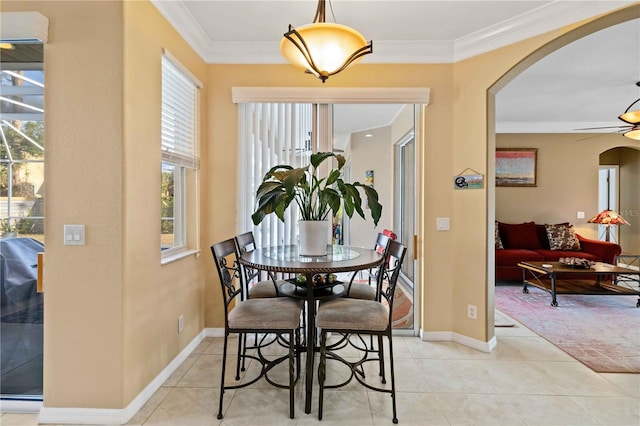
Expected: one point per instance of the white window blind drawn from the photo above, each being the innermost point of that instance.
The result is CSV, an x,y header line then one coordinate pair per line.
x,y
271,134
179,116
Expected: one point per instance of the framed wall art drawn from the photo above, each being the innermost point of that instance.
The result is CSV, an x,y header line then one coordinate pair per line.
x,y
516,166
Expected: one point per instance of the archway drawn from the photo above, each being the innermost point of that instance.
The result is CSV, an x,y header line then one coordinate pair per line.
x,y
618,17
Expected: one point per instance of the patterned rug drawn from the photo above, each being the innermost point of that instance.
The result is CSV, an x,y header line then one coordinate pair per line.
x,y
602,332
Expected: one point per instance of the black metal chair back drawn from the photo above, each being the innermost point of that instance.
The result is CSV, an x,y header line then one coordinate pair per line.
x,y
395,256
229,272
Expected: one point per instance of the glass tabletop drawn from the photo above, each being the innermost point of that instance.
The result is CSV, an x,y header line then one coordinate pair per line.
x,y
291,254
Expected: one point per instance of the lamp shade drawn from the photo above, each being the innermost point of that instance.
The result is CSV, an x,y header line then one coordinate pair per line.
x,y
329,46
323,48
633,133
631,116
608,217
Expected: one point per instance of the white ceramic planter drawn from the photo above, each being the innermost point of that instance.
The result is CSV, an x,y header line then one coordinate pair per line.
x,y
314,237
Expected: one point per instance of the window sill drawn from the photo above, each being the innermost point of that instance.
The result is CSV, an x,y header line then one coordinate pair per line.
x,y
177,256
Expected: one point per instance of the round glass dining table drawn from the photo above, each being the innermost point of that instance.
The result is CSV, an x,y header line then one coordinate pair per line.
x,y
287,260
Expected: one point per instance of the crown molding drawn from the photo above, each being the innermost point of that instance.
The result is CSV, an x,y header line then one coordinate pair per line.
x,y
334,95
548,17
545,18
185,24
555,127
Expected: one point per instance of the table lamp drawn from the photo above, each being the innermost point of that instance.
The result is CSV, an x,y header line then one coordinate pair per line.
x,y
608,218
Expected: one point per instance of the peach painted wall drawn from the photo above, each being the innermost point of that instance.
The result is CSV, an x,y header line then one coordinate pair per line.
x,y
154,295
111,308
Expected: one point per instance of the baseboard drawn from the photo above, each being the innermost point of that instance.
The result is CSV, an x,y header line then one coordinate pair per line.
x,y
214,332
20,406
101,416
449,336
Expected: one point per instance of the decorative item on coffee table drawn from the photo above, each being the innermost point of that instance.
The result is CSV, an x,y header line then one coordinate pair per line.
x,y
576,262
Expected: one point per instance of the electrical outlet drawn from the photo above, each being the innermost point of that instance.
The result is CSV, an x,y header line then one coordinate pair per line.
x,y
180,323
472,311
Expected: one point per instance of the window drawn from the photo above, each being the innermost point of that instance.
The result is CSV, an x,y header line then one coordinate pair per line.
x,y
180,162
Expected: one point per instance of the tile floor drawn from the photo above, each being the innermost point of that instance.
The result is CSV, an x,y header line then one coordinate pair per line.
x,y
524,381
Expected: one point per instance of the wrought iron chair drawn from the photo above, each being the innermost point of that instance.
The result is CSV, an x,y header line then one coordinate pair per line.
x,y
370,290
362,317
257,288
278,316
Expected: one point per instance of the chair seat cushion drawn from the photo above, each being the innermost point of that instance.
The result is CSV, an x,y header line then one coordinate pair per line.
x,y
280,313
263,289
362,291
352,314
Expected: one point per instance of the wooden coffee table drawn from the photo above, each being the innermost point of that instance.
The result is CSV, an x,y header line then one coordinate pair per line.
x,y
556,278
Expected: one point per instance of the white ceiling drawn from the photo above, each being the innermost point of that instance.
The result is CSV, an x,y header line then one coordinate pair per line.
x,y
585,84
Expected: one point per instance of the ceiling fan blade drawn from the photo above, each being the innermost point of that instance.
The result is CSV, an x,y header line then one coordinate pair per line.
x,y
601,134
606,127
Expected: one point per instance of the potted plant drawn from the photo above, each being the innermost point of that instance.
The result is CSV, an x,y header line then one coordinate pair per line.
x,y
314,196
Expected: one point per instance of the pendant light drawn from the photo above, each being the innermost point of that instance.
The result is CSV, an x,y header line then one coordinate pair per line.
x,y
324,49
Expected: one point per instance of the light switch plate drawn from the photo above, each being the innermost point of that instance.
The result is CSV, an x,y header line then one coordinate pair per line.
x,y
580,215
73,235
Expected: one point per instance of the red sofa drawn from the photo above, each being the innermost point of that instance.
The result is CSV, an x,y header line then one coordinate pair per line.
x,y
529,242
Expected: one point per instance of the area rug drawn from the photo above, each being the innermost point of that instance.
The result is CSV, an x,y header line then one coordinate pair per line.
x,y
602,332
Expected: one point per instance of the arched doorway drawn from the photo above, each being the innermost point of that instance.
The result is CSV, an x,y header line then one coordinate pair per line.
x,y
596,25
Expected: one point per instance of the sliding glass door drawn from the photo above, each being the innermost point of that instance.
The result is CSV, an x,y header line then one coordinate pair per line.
x,y
21,220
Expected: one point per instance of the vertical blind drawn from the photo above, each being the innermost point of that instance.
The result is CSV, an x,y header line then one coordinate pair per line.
x,y
271,134
179,115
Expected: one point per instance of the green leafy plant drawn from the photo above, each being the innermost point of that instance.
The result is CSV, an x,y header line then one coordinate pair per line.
x,y
314,196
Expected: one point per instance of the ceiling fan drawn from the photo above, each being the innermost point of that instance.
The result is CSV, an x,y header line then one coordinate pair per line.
x,y
629,116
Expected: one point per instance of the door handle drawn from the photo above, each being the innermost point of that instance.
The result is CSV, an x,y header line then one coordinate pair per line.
x,y
40,279
415,247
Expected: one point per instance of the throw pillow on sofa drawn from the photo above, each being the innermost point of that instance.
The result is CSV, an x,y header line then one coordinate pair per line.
x,y
499,245
562,237
519,236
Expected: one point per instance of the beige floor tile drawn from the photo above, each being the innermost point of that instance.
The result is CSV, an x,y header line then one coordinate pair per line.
x,y
413,409
11,419
611,411
216,346
147,409
476,409
202,347
524,380
576,379
532,348
549,410
630,383
259,407
408,376
206,370
463,376
340,408
188,406
519,377
180,371
434,350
